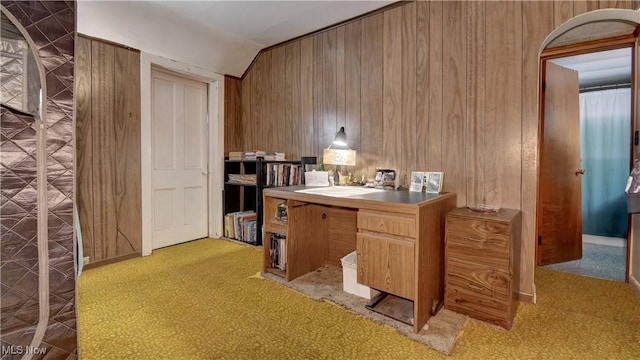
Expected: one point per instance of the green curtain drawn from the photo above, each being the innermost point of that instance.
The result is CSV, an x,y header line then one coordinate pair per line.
x,y
605,131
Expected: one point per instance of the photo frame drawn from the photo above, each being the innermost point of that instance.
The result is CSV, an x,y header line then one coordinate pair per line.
x,y
417,181
433,181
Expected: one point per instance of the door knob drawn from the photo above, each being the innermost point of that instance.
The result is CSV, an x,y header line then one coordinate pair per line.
x,y
580,172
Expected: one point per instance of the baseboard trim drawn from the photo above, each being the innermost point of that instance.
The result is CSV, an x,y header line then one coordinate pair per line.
x,y
634,285
528,298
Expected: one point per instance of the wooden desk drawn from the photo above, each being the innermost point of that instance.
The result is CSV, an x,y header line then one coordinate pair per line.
x,y
398,236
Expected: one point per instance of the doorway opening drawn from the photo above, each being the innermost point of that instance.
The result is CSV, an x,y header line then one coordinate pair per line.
x,y
586,152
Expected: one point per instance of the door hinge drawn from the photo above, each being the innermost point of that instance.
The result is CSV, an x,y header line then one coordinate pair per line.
x,y
539,240
635,138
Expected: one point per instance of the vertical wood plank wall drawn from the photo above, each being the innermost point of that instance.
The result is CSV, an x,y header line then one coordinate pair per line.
x,y
108,151
439,86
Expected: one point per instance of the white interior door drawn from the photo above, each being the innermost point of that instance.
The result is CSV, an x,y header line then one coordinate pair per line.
x,y
179,153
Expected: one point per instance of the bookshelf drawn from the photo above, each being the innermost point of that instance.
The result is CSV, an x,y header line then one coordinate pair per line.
x,y
244,181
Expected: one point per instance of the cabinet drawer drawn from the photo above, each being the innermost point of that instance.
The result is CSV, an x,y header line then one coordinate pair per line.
x,y
469,302
479,229
386,263
477,251
396,224
482,281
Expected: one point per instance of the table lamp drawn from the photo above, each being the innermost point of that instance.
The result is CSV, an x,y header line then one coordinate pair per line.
x,y
339,154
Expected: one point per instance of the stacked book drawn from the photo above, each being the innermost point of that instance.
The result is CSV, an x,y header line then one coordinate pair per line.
x,y
278,252
254,154
247,179
241,225
283,175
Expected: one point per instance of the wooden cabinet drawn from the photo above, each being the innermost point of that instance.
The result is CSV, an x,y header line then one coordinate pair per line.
x,y
482,254
314,235
385,251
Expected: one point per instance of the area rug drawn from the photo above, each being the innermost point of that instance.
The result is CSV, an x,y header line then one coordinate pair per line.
x,y
325,284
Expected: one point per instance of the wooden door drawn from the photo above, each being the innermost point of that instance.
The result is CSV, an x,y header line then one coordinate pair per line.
x,y
559,225
179,153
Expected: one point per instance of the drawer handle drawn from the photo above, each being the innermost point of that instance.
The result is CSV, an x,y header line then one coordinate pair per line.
x,y
475,287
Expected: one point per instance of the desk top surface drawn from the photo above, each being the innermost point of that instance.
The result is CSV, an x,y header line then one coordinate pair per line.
x,y
397,199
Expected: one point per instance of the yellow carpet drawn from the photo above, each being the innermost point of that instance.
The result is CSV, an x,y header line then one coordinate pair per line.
x,y
196,301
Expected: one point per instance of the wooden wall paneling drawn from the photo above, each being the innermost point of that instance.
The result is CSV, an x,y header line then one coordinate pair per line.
x,y
436,78
392,90
581,6
476,153
278,140
422,85
371,90
318,109
615,4
352,58
329,87
128,193
305,123
292,139
84,145
258,89
502,124
562,11
246,126
454,99
537,24
265,136
232,114
409,126
103,136
341,105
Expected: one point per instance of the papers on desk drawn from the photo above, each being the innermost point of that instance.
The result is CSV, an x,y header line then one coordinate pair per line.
x,y
316,178
339,191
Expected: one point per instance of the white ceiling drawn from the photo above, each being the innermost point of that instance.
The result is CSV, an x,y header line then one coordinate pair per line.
x,y
267,23
221,36
600,68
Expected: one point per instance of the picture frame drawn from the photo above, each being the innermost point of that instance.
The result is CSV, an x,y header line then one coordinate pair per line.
x,y
433,181
417,181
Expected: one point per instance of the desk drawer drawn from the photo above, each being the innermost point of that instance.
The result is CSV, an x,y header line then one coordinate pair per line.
x,y
388,223
386,263
477,251
466,301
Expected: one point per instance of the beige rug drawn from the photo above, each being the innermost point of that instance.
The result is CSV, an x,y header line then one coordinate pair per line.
x,y
325,284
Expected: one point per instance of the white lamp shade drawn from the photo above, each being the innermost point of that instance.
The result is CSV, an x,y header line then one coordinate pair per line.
x,y
339,157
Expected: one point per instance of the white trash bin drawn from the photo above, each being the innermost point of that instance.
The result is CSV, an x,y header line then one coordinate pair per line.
x,y
349,278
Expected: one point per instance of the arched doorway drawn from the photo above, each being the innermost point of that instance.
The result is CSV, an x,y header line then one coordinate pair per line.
x,y
558,222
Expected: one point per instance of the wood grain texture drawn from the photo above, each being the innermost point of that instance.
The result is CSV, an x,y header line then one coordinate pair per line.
x,y
422,85
232,114
291,130
448,74
562,11
392,91
108,137
342,231
372,84
341,100
104,155
84,145
386,264
408,124
454,101
430,257
537,19
616,4
246,123
277,127
503,124
127,139
476,153
353,63
305,123
329,87
436,83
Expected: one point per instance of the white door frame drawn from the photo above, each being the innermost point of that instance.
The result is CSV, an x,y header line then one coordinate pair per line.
x,y
216,141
